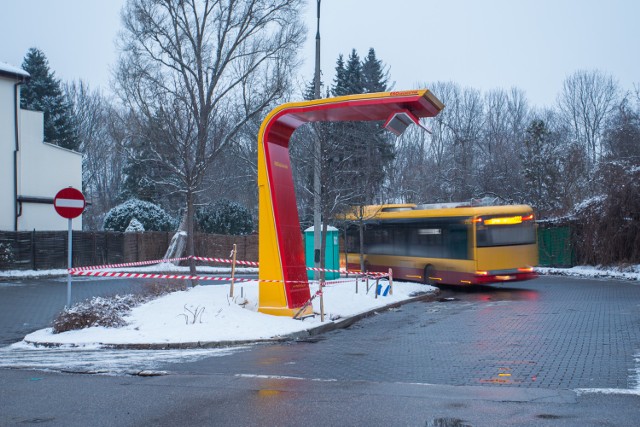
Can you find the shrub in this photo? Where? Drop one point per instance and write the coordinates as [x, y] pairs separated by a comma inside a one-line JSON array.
[[110, 311], [224, 217], [134, 226], [98, 311], [6, 255], [609, 224], [150, 216]]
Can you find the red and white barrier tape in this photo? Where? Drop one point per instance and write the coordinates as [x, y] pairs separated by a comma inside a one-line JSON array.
[[152, 276], [128, 264], [224, 260], [93, 271], [170, 276], [207, 259], [343, 271]]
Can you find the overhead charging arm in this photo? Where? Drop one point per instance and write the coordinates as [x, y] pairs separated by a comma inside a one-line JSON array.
[[284, 286], [398, 122]]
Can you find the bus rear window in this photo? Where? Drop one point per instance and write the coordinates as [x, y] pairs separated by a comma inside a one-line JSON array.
[[499, 233]]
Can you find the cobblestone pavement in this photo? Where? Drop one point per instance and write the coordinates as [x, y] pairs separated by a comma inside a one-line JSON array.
[[553, 332]]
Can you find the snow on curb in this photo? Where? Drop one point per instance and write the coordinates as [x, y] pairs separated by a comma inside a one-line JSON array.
[[628, 273], [170, 322]]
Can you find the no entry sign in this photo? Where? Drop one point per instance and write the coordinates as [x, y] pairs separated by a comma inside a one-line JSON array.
[[69, 203]]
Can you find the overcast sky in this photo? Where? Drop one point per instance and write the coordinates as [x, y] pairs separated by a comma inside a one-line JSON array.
[[530, 44]]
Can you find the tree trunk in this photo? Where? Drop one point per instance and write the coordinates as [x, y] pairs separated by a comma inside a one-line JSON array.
[[190, 235], [361, 232]]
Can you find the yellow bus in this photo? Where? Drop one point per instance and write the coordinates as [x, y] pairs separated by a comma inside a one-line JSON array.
[[450, 243]]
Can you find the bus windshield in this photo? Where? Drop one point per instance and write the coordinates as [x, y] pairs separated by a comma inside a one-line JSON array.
[[498, 231]]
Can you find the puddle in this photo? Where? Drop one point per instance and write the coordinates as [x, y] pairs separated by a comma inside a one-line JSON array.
[[447, 422]]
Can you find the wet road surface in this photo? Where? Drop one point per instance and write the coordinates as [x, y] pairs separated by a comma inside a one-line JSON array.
[[548, 333], [533, 353]]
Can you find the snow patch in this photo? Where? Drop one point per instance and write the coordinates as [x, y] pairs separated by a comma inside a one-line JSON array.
[[169, 319]]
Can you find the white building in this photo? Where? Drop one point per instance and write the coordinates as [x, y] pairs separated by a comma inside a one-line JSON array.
[[31, 171]]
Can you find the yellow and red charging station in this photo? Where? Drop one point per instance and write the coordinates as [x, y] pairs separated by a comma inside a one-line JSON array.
[[284, 287]]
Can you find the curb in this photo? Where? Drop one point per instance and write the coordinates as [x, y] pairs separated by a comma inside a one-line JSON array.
[[296, 336]]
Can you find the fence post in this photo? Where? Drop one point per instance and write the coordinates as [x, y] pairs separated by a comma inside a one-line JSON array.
[[33, 249], [321, 301], [390, 281], [233, 269]]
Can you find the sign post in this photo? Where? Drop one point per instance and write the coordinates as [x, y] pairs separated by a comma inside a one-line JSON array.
[[69, 203]]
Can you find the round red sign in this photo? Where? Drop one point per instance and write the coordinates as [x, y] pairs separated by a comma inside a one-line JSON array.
[[69, 203]]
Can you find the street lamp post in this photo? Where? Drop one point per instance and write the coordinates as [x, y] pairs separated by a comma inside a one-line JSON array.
[[316, 164]]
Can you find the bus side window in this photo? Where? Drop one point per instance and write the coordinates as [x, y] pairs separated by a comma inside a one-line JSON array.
[[458, 241], [401, 241], [378, 241], [426, 240], [353, 239]]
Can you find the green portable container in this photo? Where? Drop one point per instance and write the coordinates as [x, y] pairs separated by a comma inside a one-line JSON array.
[[331, 253]]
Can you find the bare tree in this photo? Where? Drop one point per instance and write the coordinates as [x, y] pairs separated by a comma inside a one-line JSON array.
[[499, 168], [100, 134], [196, 72], [586, 101]]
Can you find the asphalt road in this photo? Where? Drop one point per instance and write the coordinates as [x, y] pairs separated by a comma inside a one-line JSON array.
[[542, 352]]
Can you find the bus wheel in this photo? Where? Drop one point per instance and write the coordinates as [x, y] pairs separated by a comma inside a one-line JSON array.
[[429, 271]]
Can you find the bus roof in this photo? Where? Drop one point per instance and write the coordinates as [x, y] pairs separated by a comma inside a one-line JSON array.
[[394, 211]]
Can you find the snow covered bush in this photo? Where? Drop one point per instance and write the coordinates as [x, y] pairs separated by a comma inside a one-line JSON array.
[[225, 217], [152, 217], [6, 255], [110, 311], [98, 311], [134, 226]]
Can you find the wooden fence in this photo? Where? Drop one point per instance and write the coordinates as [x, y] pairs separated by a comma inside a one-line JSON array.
[[43, 250]]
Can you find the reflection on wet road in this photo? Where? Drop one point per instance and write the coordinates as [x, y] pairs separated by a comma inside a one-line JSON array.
[[546, 333]]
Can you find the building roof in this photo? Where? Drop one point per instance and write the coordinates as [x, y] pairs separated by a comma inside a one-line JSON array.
[[13, 72]]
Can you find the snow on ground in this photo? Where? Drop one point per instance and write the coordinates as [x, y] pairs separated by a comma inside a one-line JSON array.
[[631, 272], [174, 318]]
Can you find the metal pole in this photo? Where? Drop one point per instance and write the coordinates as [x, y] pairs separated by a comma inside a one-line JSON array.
[[69, 259], [321, 301], [390, 281], [317, 189], [233, 270]]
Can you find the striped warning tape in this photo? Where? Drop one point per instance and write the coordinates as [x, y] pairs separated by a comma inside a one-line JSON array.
[[95, 273], [224, 260], [128, 264], [343, 271], [220, 260]]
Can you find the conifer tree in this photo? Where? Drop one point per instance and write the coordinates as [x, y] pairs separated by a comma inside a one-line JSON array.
[[539, 168], [358, 153], [340, 80], [353, 74], [374, 77], [43, 93]]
